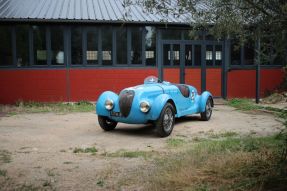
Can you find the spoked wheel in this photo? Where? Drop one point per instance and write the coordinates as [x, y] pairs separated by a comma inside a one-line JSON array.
[[106, 124], [165, 123], [205, 116]]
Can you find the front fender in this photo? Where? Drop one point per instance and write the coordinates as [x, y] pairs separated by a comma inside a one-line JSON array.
[[158, 103], [203, 99], [100, 106]]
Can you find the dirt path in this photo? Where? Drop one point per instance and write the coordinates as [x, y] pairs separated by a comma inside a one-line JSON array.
[[41, 146]]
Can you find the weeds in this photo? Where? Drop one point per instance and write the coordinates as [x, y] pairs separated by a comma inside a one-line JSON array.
[[37, 107], [3, 172], [175, 142], [130, 154], [91, 150], [5, 156], [227, 164]]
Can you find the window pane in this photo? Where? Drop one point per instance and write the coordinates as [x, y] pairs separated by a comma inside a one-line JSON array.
[[40, 51], [208, 55], [166, 55], [5, 46], [235, 53], [218, 55], [150, 45], [197, 55], [121, 41], [92, 47], [107, 40], [57, 45], [192, 35], [171, 34], [136, 45], [249, 53], [176, 59], [188, 55], [76, 45], [22, 45]]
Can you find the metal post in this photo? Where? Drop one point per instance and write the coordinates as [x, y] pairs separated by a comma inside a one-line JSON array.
[[258, 47]]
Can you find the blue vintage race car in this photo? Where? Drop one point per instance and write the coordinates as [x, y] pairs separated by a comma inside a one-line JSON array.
[[152, 102]]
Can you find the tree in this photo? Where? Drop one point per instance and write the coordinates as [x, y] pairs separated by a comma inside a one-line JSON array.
[[245, 20]]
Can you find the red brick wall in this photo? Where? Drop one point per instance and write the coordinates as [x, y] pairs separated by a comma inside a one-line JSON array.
[[36, 85], [88, 84], [171, 75], [53, 85], [242, 83], [213, 81], [193, 77]]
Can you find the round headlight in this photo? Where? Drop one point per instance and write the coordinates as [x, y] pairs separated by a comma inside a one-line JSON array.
[[144, 106], [109, 104]]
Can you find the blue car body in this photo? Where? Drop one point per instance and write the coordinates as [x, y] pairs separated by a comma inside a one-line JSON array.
[[157, 94]]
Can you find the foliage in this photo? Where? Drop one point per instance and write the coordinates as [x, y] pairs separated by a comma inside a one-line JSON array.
[[92, 150], [38, 107]]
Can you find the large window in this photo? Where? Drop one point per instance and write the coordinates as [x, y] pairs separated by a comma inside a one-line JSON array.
[[121, 42], [249, 53], [197, 55], [136, 45], [76, 46], [40, 46], [235, 53], [22, 45], [92, 46], [150, 46], [107, 42], [171, 34], [5, 46], [57, 46]]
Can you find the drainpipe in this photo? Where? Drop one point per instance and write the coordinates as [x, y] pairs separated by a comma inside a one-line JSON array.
[[258, 47]]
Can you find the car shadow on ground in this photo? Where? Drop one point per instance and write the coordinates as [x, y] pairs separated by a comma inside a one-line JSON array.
[[137, 130], [149, 129], [186, 119]]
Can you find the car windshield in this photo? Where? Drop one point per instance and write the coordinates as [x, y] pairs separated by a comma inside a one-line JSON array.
[[151, 79]]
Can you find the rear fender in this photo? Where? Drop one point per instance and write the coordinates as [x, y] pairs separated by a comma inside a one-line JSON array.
[[203, 99], [100, 106]]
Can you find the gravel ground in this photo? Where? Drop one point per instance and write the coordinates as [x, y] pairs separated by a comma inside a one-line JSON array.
[[40, 146]]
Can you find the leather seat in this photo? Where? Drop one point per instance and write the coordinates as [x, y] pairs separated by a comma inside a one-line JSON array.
[[183, 89]]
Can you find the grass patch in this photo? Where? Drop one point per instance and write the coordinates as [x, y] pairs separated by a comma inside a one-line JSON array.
[[3, 172], [243, 104], [37, 107], [226, 164], [131, 154], [222, 135], [91, 150], [5, 156], [175, 142]]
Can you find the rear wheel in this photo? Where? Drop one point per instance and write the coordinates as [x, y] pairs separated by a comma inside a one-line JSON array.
[[165, 123], [205, 116], [106, 124]]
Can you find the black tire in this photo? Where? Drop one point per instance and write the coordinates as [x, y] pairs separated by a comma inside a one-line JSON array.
[[165, 123], [205, 116], [107, 124]]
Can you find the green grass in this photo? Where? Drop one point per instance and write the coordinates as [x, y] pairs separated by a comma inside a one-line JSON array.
[[131, 154], [5, 156], [243, 104], [3, 172], [37, 107], [222, 135], [91, 150], [175, 142], [226, 164]]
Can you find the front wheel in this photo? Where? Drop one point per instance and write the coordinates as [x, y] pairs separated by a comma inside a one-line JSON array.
[[205, 116], [165, 123], [106, 124]]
